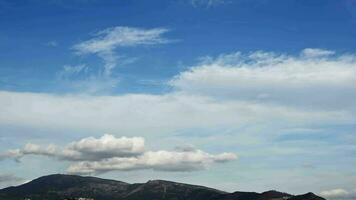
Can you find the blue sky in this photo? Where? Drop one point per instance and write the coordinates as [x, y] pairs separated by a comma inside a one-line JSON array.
[[260, 92]]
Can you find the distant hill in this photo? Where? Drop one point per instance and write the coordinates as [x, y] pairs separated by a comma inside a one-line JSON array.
[[60, 187]]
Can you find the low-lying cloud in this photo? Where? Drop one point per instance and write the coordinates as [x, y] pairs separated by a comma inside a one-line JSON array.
[[108, 153], [90, 148], [155, 160], [339, 194]]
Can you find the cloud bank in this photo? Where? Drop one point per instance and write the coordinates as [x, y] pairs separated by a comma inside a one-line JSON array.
[[108, 153], [154, 114], [231, 90]]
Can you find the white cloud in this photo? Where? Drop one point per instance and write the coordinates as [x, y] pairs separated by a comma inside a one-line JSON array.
[[107, 41], [108, 153], [69, 71], [30, 148], [151, 114], [108, 146], [207, 3], [105, 44], [81, 79], [155, 160], [339, 194], [110, 39], [320, 81], [89, 148], [310, 53]]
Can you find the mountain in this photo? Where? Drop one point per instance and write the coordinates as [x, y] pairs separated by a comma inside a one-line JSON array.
[[60, 187]]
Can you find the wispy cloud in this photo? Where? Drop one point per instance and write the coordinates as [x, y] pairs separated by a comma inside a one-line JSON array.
[[207, 3], [52, 43], [105, 43], [310, 52], [70, 71]]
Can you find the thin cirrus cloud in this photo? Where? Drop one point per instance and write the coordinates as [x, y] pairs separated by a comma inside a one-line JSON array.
[[310, 52], [107, 41], [108, 153], [207, 3], [71, 70], [106, 44]]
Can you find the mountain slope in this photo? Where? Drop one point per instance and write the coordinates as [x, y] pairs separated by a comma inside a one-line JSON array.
[[64, 186], [59, 187]]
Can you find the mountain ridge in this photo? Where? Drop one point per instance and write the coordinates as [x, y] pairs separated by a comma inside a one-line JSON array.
[[61, 186]]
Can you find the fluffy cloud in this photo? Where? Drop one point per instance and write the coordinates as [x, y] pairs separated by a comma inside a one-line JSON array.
[[315, 79], [156, 160], [90, 148], [107, 146], [339, 194], [108, 153]]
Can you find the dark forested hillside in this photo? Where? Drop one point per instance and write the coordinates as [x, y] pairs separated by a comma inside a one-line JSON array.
[[60, 187]]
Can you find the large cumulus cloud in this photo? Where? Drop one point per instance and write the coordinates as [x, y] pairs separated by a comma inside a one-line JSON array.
[[108, 153]]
